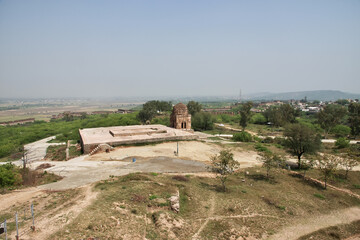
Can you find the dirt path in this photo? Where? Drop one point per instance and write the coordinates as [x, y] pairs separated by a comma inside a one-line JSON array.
[[18, 197], [308, 225], [211, 212], [60, 216], [329, 185]]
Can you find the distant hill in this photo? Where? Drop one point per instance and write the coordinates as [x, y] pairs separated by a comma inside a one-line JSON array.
[[321, 95]]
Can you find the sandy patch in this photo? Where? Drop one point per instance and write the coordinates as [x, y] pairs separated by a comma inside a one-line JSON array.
[[188, 150]]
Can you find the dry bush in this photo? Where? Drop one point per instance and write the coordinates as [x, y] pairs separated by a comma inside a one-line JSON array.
[[44, 166], [180, 178], [138, 198]]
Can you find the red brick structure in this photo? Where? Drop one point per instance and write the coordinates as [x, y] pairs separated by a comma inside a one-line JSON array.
[[180, 117]]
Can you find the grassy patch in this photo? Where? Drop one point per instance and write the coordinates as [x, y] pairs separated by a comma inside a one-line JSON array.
[[320, 196], [56, 153], [131, 198], [74, 151]]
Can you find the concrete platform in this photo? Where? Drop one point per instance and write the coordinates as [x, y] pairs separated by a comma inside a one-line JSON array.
[[122, 135]]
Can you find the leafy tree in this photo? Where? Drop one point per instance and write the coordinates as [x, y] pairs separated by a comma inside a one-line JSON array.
[[245, 114], [145, 115], [258, 118], [270, 161], [328, 164], [83, 115], [281, 115], [157, 106], [152, 108], [330, 116], [224, 165], [342, 143], [202, 121], [354, 118], [194, 107], [342, 102], [68, 116], [341, 130], [300, 140]]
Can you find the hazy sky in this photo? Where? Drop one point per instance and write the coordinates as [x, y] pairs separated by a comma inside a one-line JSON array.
[[164, 48]]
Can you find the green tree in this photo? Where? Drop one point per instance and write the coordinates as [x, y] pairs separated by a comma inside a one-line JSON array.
[[194, 107], [224, 165], [300, 139], [342, 102], [145, 115], [245, 113], [354, 118], [83, 115], [281, 115], [330, 116], [270, 161], [341, 131], [202, 121], [258, 118], [342, 143]]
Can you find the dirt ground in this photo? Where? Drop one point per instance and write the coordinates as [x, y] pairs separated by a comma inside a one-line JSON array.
[[308, 225], [188, 150]]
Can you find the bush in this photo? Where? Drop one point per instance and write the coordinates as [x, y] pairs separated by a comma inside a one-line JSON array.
[[267, 140], [242, 137], [259, 147], [180, 178], [9, 175], [342, 143], [258, 118], [341, 131]]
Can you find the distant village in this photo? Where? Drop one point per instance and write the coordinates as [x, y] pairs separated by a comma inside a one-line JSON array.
[[308, 107]]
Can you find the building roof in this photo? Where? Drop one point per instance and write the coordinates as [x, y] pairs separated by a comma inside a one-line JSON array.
[[132, 134], [180, 108]]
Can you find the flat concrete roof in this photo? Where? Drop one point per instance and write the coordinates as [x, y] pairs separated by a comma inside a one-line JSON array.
[[119, 135]]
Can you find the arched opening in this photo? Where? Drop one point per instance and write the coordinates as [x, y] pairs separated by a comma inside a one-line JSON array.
[[184, 124]]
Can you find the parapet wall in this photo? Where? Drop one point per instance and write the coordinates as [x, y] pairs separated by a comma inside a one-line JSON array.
[[115, 136]]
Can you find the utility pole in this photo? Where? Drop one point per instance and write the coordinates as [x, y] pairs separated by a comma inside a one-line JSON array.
[[240, 96], [24, 159]]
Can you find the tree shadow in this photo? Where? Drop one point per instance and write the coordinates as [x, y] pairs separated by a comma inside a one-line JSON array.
[[262, 177], [307, 181]]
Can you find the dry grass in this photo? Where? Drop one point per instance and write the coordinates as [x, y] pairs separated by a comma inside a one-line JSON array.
[[136, 206], [335, 232]]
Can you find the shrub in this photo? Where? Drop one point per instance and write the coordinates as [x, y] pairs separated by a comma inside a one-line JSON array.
[[341, 130], [261, 148], [242, 137], [180, 178], [152, 197], [268, 140], [9, 175], [342, 143]]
